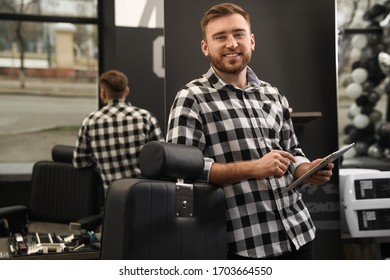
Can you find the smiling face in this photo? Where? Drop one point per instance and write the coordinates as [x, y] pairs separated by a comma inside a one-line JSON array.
[[229, 44]]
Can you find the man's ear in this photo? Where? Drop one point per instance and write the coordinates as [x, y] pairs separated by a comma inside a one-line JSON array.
[[204, 47], [103, 95], [127, 92], [253, 43]]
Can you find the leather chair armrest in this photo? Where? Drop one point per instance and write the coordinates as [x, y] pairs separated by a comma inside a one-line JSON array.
[[9, 210], [13, 219]]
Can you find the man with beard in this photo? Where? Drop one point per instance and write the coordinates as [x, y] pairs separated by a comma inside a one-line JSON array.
[[243, 127]]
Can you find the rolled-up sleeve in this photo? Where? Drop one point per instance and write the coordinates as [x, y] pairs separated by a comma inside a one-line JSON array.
[[298, 161]]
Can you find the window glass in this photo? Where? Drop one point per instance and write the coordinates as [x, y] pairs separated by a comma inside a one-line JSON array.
[[48, 74], [69, 8]]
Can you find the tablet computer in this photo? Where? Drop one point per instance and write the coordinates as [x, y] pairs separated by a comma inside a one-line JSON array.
[[330, 158]]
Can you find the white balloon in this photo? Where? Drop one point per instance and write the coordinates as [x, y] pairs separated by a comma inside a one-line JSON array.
[[359, 75], [354, 90], [359, 41], [375, 151], [361, 121], [355, 54], [354, 109]]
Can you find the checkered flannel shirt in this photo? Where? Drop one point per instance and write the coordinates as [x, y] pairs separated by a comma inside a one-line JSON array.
[[112, 137], [229, 124]]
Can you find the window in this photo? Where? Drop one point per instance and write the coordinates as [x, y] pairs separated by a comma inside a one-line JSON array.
[[48, 74], [68, 8]]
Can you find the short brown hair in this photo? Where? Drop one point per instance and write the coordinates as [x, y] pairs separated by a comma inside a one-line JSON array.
[[220, 10], [115, 83]]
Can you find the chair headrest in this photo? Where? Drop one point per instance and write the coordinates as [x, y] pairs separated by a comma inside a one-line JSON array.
[[162, 160], [62, 153]]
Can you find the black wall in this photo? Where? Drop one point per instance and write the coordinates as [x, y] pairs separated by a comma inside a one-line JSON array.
[[130, 50], [295, 51]]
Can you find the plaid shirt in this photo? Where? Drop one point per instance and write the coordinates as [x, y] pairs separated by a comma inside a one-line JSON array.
[[112, 137], [229, 124]]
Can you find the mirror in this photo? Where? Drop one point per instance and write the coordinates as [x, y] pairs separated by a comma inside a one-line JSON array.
[[363, 71]]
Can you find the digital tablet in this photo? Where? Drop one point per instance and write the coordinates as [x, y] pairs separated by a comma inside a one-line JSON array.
[[330, 158]]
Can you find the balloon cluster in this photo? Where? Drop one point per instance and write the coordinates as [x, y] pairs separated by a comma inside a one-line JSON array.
[[367, 130]]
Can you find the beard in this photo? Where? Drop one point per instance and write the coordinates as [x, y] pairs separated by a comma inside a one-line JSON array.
[[234, 66]]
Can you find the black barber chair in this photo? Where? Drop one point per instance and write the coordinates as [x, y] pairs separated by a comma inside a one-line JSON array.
[[167, 215], [63, 199]]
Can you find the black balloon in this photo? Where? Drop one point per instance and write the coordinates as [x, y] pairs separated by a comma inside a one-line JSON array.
[[361, 148], [355, 135], [368, 109], [383, 134], [362, 100], [348, 128], [373, 38], [373, 97]]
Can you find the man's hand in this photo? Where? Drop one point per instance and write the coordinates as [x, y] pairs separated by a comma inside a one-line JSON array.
[[275, 163], [320, 177]]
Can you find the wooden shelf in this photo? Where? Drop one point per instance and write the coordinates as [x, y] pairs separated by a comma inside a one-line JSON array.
[[303, 117]]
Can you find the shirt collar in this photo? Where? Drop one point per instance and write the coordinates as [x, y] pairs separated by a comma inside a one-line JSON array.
[[218, 83], [116, 101]]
